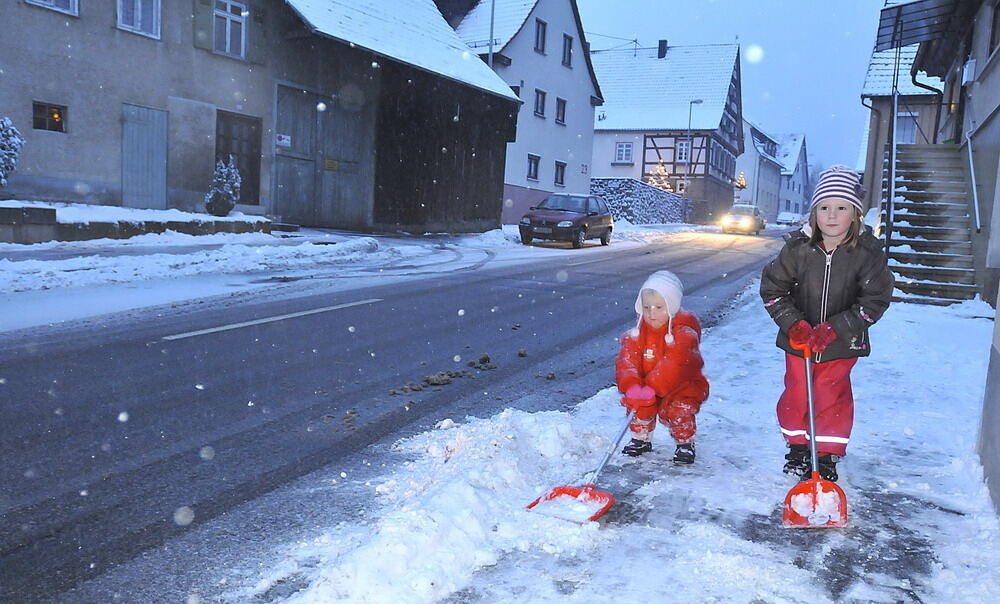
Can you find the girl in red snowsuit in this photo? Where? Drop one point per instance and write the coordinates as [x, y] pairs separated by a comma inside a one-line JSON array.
[[659, 368]]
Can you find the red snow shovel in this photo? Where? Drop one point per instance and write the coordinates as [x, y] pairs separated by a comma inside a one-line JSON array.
[[814, 503], [580, 504]]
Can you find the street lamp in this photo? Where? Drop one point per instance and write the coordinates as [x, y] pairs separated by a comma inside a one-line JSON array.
[[690, 137]]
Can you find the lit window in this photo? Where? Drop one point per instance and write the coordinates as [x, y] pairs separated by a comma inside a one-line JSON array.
[[230, 20], [560, 178], [70, 7], [48, 117], [140, 16], [623, 153]]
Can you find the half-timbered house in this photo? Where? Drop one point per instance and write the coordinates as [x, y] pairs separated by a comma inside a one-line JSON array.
[[676, 109]]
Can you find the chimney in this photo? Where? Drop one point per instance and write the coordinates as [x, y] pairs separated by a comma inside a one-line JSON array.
[[661, 50]]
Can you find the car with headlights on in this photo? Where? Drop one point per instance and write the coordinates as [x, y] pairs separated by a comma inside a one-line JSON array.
[[568, 217], [743, 219]]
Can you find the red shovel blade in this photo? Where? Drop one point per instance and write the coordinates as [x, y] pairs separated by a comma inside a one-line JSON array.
[[575, 504], [815, 503]]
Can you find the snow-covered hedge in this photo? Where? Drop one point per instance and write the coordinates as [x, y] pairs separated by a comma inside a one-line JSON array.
[[10, 146], [224, 193], [639, 203]]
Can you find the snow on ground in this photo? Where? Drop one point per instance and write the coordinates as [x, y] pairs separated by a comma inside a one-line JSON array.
[[57, 280], [451, 523], [87, 213]]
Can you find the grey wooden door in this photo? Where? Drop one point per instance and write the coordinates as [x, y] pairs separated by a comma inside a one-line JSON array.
[[297, 169], [144, 157]]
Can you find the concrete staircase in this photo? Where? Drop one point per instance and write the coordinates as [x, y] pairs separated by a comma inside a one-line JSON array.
[[930, 249]]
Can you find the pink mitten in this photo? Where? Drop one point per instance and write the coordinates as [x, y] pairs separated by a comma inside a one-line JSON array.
[[639, 396]]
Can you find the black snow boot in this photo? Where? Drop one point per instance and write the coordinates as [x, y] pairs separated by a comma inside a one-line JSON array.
[[797, 461], [637, 447], [828, 467], [684, 454]]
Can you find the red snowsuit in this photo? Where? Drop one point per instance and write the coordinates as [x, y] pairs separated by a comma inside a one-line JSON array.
[[673, 371]]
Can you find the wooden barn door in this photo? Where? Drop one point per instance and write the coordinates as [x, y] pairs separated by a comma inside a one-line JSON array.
[[144, 157], [297, 160]]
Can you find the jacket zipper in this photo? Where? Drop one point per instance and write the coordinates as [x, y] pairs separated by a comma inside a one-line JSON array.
[[826, 294]]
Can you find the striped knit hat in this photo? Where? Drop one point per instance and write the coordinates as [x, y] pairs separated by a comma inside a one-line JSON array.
[[838, 182]]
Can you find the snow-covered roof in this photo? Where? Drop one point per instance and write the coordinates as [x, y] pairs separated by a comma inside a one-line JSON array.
[[643, 92], [759, 137], [878, 82], [509, 16], [789, 147], [409, 31]]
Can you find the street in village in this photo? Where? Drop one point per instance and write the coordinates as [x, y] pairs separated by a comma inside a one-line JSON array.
[[282, 387], [304, 301]]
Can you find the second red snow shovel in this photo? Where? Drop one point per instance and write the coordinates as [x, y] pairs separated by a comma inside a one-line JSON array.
[[814, 503], [580, 504]]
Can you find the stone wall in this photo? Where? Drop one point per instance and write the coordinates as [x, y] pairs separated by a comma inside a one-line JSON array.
[[639, 203]]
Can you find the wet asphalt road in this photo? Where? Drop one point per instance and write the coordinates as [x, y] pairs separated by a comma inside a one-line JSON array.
[[118, 434]]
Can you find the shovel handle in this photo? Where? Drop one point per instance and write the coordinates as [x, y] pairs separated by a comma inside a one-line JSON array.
[[592, 479], [813, 455]]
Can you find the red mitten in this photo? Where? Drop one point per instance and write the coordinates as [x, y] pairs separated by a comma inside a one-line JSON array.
[[638, 396], [798, 335], [822, 336]]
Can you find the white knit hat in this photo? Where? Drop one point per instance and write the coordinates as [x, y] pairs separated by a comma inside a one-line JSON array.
[[670, 287], [838, 182]]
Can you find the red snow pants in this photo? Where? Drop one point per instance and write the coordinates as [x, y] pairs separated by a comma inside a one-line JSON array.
[[678, 416], [833, 403]]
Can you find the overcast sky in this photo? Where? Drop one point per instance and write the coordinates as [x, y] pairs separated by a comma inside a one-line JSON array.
[[803, 61]]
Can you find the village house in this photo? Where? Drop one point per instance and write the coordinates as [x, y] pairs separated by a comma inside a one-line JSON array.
[[539, 48], [796, 184], [365, 115], [946, 194], [916, 113], [758, 181], [672, 108]]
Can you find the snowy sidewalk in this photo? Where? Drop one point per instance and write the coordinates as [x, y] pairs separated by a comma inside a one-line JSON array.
[[450, 523]]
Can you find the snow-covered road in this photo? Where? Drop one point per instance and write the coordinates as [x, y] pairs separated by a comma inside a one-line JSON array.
[[50, 282]]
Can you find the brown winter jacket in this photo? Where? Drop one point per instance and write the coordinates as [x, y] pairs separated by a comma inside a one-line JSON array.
[[850, 288]]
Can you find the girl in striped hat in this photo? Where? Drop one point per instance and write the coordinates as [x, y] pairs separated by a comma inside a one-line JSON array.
[[825, 288]]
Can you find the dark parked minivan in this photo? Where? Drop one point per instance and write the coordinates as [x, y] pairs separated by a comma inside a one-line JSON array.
[[568, 217]]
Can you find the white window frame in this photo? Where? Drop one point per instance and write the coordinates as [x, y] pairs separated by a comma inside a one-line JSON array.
[[74, 6], [243, 19], [683, 153], [140, 7], [623, 152], [909, 115]]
